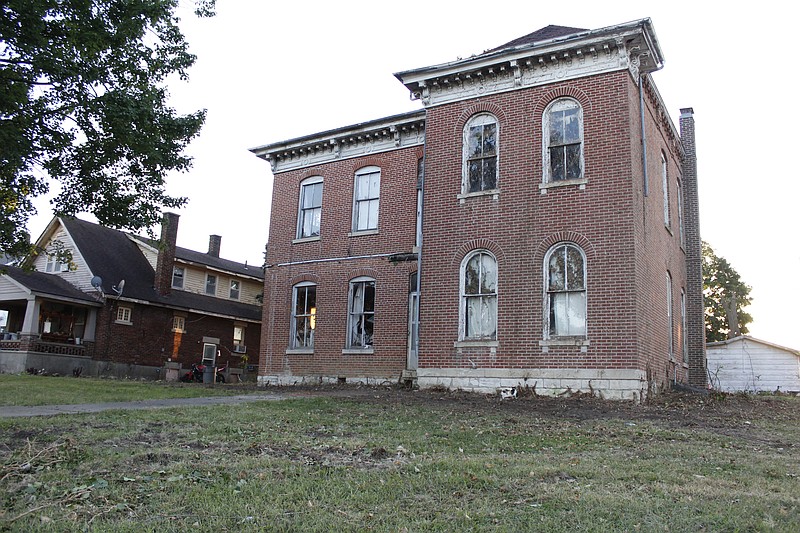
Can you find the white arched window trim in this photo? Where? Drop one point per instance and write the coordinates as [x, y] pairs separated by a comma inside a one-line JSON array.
[[480, 156], [309, 210], [565, 306], [366, 199], [570, 139], [478, 304]]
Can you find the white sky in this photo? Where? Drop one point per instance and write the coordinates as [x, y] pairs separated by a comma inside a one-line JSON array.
[[270, 71]]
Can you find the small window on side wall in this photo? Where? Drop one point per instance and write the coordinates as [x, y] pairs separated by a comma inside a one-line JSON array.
[[123, 315], [478, 297], [178, 324], [563, 141], [480, 154], [309, 215], [361, 315], [366, 201], [565, 292]]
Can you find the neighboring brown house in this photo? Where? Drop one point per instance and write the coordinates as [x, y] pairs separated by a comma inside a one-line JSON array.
[[534, 225], [127, 305]]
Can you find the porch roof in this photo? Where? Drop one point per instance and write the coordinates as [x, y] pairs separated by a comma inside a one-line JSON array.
[[47, 285]]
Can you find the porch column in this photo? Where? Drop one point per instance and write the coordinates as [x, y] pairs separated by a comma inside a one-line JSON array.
[[30, 326]]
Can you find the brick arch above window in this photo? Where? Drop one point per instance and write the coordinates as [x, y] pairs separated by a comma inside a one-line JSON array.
[[306, 276], [364, 162], [561, 92], [477, 109], [564, 237], [478, 244], [363, 272]]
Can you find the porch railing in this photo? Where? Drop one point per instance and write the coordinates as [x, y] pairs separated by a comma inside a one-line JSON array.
[[44, 347]]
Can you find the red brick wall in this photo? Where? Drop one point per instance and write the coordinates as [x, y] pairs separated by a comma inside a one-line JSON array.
[[149, 339], [519, 227], [396, 234]]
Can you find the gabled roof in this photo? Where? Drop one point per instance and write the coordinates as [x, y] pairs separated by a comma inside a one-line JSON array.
[[47, 284], [114, 256], [544, 34], [743, 338]]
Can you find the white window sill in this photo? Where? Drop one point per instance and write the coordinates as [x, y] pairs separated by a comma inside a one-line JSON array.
[[363, 232], [581, 343], [358, 351], [581, 184], [494, 193], [306, 239], [123, 322], [299, 351], [477, 343]]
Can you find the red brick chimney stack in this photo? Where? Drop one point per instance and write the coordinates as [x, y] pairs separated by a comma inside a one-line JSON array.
[[166, 253], [214, 243]]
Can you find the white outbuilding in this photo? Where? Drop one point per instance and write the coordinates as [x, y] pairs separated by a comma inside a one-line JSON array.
[[752, 365]]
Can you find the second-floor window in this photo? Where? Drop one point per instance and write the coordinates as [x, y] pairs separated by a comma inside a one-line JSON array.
[[211, 284], [366, 199], [310, 213], [177, 277], [563, 139], [665, 188], [235, 288], [480, 154]]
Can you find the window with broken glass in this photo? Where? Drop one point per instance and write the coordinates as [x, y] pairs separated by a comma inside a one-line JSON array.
[[304, 315], [367, 199], [361, 318], [480, 154], [479, 296], [566, 292], [310, 212], [563, 125]]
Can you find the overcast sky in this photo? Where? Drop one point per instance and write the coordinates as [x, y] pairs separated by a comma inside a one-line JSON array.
[[269, 71]]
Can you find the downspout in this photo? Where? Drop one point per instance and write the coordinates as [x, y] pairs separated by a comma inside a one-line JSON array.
[[421, 193], [644, 138]]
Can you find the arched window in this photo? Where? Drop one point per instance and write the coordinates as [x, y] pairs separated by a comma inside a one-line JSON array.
[[361, 315], [304, 315], [480, 154], [563, 141], [309, 214], [565, 291], [366, 199], [479, 296]]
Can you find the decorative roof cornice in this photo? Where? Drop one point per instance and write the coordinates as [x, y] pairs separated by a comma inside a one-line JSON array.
[[381, 135], [632, 46]]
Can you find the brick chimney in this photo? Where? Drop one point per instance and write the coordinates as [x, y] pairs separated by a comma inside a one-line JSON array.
[[166, 253], [695, 310], [214, 242]]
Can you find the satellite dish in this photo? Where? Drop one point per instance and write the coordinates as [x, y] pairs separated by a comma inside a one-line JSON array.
[[97, 281], [119, 287]]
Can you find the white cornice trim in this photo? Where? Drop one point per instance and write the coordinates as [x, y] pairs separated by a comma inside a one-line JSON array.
[[382, 135]]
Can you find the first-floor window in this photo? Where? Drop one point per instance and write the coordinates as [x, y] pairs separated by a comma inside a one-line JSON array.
[[304, 315], [238, 335], [565, 291], [178, 324], [124, 314], [361, 318], [479, 296], [670, 326], [684, 336]]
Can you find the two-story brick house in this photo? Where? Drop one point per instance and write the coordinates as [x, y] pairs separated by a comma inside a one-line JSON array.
[[127, 305], [539, 216]]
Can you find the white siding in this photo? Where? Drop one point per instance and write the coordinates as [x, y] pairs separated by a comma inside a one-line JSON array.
[[748, 365], [195, 281], [81, 276], [10, 291]]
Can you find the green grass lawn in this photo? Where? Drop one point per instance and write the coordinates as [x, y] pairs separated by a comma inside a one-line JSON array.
[[386, 460], [25, 389]]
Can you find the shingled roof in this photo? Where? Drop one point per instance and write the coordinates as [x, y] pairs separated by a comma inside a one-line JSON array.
[[113, 256], [543, 34], [41, 283]]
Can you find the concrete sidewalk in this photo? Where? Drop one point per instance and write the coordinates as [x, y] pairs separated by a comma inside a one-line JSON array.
[[49, 410]]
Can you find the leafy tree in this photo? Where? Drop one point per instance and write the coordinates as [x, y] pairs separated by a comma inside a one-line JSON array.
[[726, 296], [83, 103]]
